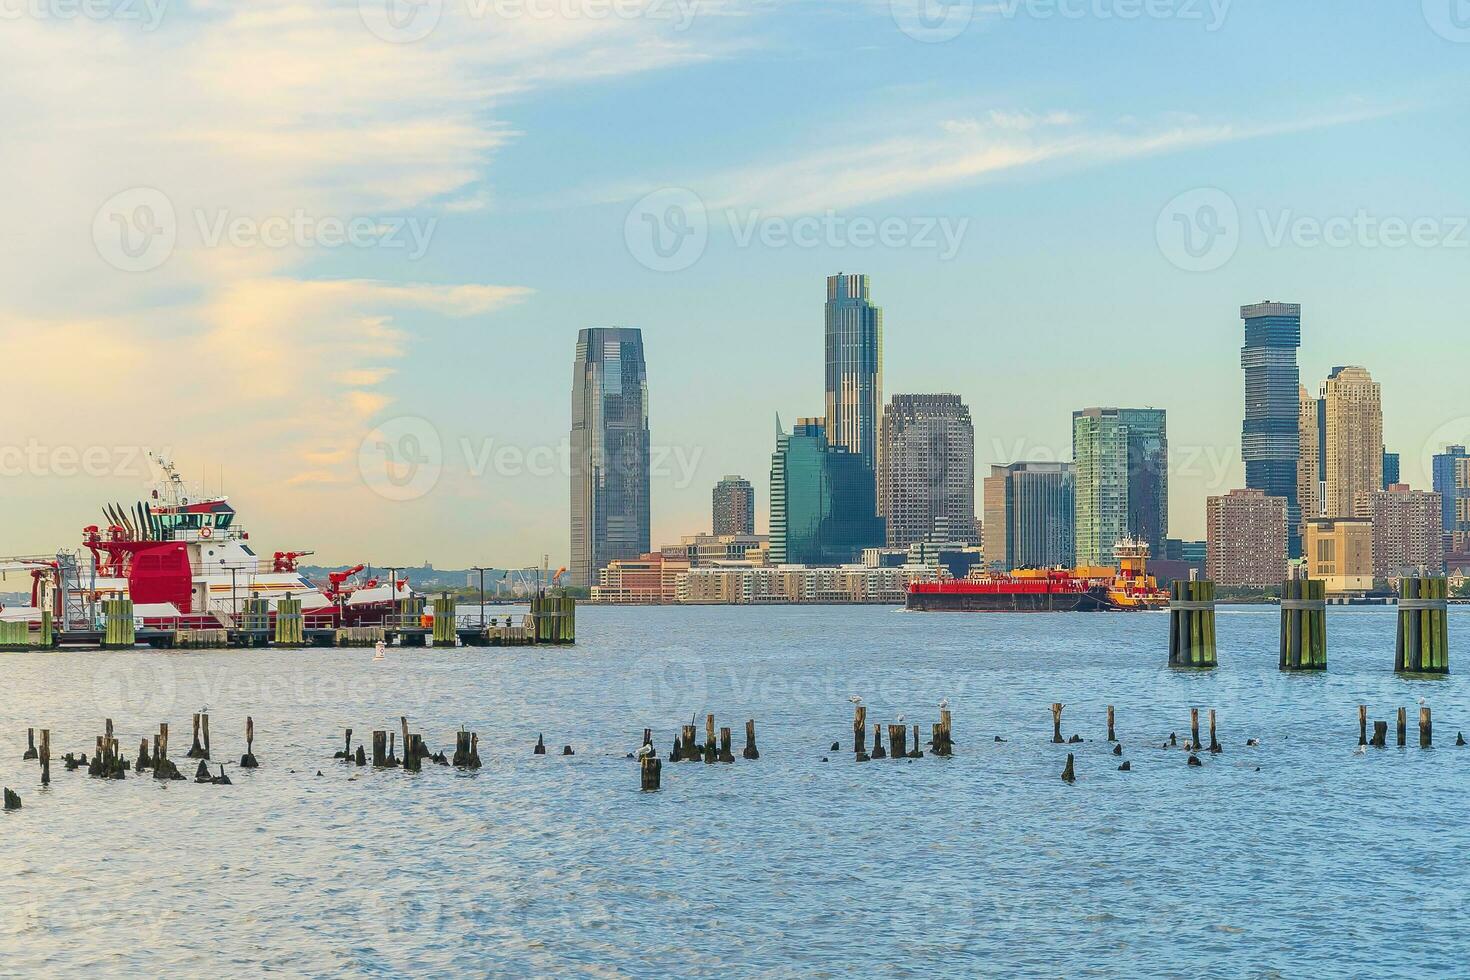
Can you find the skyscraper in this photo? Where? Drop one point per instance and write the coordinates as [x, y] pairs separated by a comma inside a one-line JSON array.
[[734, 506], [1030, 516], [1308, 460], [1246, 543], [854, 345], [1270, 440], [823, 508], [1354, 432], [1451, 476], [926, 469], [1122, 462], [609, 450], [1390, 469]]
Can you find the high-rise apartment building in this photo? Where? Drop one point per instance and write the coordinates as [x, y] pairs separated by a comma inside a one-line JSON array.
[[1030, 516], [609, 451], [823, 507], [1247, 535], [1451, 480], [1354, 431], [854, 346], [926, 472], [1309, 459], [1122, 472], [1408, 530], [1270, 435], [733, 506]]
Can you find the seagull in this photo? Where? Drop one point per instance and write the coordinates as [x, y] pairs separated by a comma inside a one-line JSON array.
[[900, 719], [1421, 702], [205, 710], [1361, 750], [855, 699], [943, 704], [644, 750]]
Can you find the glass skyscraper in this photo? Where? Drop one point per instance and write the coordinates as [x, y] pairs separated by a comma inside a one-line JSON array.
[[1030, 516], [1270, 439], [854, 346], [609, 450], [1451, 475], [1122, 473], [823, 506]]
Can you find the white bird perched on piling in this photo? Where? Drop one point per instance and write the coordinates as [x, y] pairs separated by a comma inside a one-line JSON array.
[[899, 719], [644, 750], [855, 699], [944, 704], [1422, 702]]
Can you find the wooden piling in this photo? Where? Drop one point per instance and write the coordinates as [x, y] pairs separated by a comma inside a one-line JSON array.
[[897, 741], [346, 753], [651, 770], [1192, 624], [1111, 736], [1422, 646], [12, 799], [540, 748], [688, 748], [750, 749], [290, 623], [413, 754], [1214, 744], [726, 753], [163, 768], [1380, 735], [1426, 728], [45, 757], [1069, 775], [1056, 724], [1303, 625], [1362, 724], [859, 729], [946, 731], [30, 752], [1403, 727], [1194, 729], [916, 752], [248, 760], [878, 752]]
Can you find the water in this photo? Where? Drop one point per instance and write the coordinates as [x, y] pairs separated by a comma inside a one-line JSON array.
[[1298, 857]]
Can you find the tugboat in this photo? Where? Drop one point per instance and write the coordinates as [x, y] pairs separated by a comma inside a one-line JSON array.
[[184, 562], [1128, 588]]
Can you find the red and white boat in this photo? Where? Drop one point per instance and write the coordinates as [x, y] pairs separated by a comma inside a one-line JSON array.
[[183, 561]]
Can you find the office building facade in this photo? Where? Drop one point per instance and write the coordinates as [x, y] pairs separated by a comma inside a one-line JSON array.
[[1122, 477], [1408, 530], [926, 472], [1030, 516], [824, 509], [733, 506], [1246, 544], [854, 367], [1354, 433], [1270, 434]]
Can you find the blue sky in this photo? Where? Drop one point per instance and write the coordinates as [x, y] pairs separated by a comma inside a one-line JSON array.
[[1061, 151]]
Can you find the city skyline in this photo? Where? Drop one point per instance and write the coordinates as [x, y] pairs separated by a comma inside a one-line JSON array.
[[490, 235]]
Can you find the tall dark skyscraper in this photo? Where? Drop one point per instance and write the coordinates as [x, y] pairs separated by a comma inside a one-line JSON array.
[[610, 450], [854, 367], [926, 472], [734, 506], [1270, 440], [1390, 469], [823, 506]]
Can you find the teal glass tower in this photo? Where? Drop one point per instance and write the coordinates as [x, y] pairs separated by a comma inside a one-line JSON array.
[[1122, 480], [854, 377], [609, 450], [823, 501]]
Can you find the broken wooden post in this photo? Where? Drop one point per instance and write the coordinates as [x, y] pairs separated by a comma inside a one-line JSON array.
[[709, 732], [1111, 736], [750, 750], [222, 779], [726, 753], [946, 728], [1426, 728], [248, 761], [45, 757], [201, 775], [651, 770], [1056, 724], [540, 748], [12, 799], [162, 767], [859, 730], [346, 752], [1403, 727], [1362, 724], [567, 750], [204, 723], [1068, 773], [1422, 646], [196, 751], [916, 752], [403, 726], [1214, 745], [1194, 729], [1303, 625], [30, 752], [360, 757], [1192, 624], [674, 754], [1380, 735], [688, 750], [898, 741], [412, 755], [878, 752], [380, 748]]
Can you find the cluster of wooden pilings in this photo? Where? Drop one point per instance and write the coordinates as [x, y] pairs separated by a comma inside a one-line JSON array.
[[941, 741], [1379, 738], [686, 748], [108, 761], [1421, 647], [415, 750], [1193, 745]]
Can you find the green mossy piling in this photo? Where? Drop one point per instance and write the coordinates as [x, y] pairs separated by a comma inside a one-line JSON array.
[[1423, 645], [1303, 625], [1192, 624]]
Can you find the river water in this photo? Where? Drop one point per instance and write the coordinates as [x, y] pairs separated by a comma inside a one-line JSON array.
[[1298, 857]]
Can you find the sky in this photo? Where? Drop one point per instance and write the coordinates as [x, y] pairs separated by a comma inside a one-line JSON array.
[[332, 257]]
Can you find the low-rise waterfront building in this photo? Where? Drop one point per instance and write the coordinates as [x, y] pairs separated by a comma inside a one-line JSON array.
[[1339, 550]]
